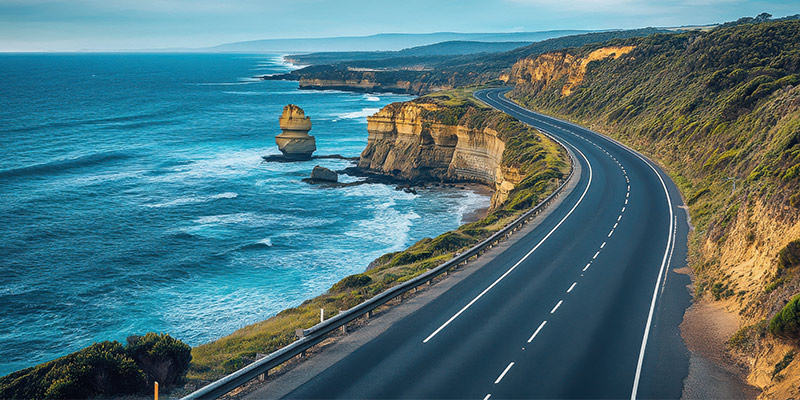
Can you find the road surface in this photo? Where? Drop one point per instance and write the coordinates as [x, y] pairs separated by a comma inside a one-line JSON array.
[[587, 305]]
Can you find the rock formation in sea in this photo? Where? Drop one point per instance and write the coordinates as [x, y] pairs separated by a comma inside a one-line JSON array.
[[324, 174], [295, 142]]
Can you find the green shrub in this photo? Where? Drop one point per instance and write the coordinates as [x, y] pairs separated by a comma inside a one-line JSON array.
[[409, 257], [774, 285], [103, 369], [789, 256], [786, 323], [352, 282], [720, 291], [745, 339], [782, 364], [163, 358], [449, 242]]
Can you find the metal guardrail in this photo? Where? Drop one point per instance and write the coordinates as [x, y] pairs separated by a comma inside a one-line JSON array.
[[317, 333]]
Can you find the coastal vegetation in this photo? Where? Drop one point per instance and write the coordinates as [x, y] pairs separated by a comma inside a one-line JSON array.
[[103, 369], [425, 73], [543, 164], [786, 323], [720, 111]]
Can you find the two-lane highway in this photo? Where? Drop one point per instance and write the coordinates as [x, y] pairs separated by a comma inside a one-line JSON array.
[[584, 306]]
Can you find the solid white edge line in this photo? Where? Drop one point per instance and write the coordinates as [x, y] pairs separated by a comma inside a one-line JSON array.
[[572, 287], [505, 371], [537, 331], [664, 260], [664, 263], [556, 307], [589, 183]]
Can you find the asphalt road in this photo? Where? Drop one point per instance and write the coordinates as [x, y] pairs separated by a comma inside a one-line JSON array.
[[586, 305]]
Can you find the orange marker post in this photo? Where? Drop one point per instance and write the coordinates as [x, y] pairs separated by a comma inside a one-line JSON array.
[[156, 391]]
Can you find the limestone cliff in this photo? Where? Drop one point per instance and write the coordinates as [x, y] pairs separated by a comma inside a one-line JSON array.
[[543, 70], [422, 141], [295, 142], [365, 85]]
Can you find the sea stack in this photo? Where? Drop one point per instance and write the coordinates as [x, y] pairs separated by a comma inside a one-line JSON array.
[[295, 142]]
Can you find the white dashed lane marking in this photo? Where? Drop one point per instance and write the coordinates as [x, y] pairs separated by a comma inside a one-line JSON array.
[[537, 331], [556, 307], [505, 371]]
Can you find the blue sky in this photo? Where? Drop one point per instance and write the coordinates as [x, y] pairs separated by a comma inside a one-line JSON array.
[[68, 25]]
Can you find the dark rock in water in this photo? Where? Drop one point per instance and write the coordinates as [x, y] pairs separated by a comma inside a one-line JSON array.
[[283, 159], [324, 174]]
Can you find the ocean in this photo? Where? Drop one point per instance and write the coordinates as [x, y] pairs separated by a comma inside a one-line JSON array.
[[134, 199]]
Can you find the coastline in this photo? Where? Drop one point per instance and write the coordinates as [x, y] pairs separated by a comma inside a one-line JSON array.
[[479, 213], [337, 346], [242, 347]]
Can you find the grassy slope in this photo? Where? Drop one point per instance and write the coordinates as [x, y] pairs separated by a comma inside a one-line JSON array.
[[541, 159], [710, 106]]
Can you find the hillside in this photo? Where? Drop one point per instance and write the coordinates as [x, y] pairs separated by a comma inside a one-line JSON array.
[[450, 48], [720, 110], [381, 41], [424, 74]]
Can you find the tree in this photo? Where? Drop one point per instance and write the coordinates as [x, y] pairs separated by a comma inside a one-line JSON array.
[[786, 323], [763, 17]]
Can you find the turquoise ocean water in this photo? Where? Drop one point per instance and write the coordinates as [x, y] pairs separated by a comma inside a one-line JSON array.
[[134, 199]]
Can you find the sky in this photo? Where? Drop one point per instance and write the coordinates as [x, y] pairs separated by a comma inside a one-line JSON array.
[[107, 25]]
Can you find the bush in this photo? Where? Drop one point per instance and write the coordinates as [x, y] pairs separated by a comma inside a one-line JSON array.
[[100, 369], [449, 242], [163, 358], [782, 364], [103, 369], [352, 282], [789, 256], [409, 257], [786, 323]]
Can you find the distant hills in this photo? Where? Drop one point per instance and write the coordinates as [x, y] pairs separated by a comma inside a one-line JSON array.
[[429, 71], [382, 41], [452, 48]]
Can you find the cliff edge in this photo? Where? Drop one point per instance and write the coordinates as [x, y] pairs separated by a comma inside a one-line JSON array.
[[428, 140]]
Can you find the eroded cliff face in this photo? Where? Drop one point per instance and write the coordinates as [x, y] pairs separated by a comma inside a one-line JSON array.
[[749, 269], [547, 68], [403, 142]]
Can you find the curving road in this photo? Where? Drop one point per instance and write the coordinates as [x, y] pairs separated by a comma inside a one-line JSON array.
[[586, 305]]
